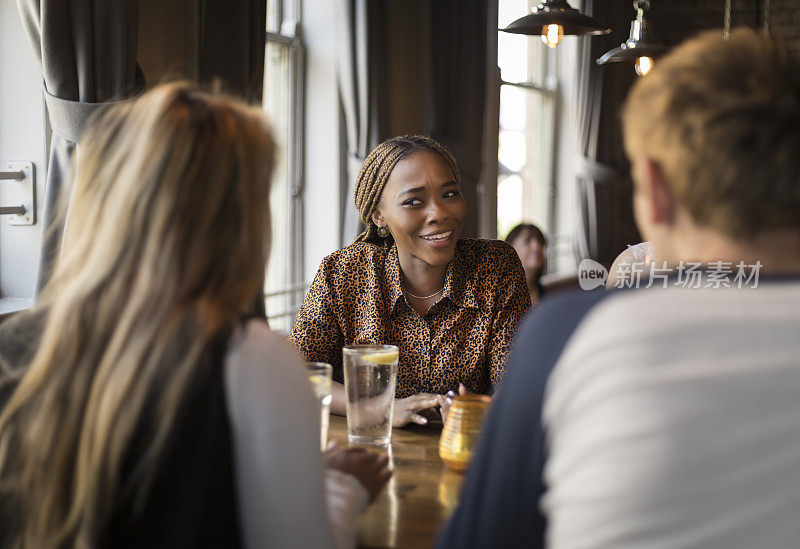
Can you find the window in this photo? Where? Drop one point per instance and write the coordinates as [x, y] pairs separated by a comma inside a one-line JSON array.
[[283, 103], [24, 133], [528, 99]]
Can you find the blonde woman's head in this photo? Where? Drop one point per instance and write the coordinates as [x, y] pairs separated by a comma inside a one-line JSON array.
[[721, 118], [165, 247], [170, 198]]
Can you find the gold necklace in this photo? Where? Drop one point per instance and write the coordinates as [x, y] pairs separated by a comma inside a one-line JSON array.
[[420, 296]]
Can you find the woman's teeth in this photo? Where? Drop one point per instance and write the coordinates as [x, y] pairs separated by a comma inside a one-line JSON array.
[[437, 237]]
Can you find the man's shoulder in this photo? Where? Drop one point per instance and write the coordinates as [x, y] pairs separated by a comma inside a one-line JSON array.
[[563, 311], [626, 332], [548, 327], [493, 499]]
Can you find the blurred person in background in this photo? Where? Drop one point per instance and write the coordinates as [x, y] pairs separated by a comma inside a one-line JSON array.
[[531, 245]]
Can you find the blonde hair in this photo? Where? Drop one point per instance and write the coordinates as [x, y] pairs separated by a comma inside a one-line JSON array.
[[165, 247], [377, 168], [722, 119]]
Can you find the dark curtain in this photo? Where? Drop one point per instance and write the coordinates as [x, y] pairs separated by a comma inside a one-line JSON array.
[[229, 45], [607, 188], [413, 66], [87, 49], [88, 53], [358, 56], [593, 177], [458, 44], [231, 40]]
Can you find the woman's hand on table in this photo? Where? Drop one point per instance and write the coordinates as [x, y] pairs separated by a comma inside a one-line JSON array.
[[406, 410], [370, 469], [445, 401]]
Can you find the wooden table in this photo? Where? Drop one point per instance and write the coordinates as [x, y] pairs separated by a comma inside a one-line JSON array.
[[420, 496]]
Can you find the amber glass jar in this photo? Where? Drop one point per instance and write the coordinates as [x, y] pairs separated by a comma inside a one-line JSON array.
[[461, 430]]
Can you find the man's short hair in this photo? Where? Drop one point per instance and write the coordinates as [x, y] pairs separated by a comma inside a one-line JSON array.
[[722, 119]]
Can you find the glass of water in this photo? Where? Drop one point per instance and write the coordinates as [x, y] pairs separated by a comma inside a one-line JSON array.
[[319, 374], [370, 376]]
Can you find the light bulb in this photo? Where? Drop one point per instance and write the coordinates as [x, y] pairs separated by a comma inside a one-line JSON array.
[[643, 65], [552, 35]]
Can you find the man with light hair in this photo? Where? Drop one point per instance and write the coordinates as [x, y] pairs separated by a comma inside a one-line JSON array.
[[668, 417]]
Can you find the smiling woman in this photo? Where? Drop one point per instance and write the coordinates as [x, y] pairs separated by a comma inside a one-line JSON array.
[[451, 305]]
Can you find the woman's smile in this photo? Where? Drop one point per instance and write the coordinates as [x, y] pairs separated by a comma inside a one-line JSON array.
[[439, 240]]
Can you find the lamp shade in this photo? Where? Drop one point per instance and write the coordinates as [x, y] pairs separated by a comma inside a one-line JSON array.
[[629, 52], [639, 43], [556, 12]]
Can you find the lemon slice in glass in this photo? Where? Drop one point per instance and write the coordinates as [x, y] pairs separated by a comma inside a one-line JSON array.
[[321, 385], [383, 357], [318, 379]]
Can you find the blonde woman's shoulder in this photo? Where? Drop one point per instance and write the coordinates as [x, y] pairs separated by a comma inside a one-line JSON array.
[[274, 421]]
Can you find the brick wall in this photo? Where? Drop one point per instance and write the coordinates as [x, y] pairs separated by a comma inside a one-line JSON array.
[[676, 20], [672, 22], [785, 22]]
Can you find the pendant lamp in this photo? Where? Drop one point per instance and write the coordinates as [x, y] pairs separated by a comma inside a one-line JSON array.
[[553, 19], [640, 48]]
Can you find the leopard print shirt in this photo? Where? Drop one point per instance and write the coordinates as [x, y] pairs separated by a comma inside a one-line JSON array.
[[464, 338]]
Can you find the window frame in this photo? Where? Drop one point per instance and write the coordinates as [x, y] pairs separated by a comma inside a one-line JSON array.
[[551, 94], [293, 289], [549, 88]]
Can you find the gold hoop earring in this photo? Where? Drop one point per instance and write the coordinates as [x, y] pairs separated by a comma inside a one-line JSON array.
[[383, 231]]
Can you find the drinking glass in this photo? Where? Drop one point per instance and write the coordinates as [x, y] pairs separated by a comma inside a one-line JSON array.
[[370, 376], [319, 374]]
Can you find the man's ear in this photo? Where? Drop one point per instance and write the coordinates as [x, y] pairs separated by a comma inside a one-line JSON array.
[[377, 218], [660, 202]]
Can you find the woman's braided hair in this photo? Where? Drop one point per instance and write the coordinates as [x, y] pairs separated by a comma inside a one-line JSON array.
[[375, 173]]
